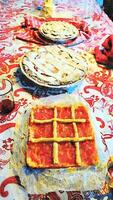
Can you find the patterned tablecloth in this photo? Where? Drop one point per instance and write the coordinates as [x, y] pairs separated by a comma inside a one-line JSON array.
[[97, 89]]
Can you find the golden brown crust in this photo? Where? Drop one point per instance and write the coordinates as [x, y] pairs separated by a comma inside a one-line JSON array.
[[54, 66], [58, 30], [56, 140]]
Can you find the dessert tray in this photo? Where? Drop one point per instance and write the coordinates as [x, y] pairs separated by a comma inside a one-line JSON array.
[[56, 66], [57, 147], [58, 31], [60, 136]]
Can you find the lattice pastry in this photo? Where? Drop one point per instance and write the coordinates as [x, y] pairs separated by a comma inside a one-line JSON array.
[[60, 136], [54, 65], [58, 31]]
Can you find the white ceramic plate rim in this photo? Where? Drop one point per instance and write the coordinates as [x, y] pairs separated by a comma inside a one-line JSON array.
[[73, 83]]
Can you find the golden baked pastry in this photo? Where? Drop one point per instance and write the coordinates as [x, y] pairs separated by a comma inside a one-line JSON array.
[[54, 65], [58, 31], [61, 136]]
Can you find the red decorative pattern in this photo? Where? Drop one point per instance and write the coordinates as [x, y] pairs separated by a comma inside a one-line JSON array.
[[4, 127], [10, 180], [97, 91], [106, 87], [74, 195], [17, 92], [49, 196], [3, 162], [111, 110], [102, 123], [7, 144]]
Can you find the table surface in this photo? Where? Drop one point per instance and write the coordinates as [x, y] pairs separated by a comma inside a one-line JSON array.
[[97, 89]]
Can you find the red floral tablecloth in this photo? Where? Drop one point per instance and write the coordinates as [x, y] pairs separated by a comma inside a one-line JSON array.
[[97, 90]]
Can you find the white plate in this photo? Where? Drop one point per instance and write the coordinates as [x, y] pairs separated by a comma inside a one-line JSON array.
[[56, 66], [58, 31]]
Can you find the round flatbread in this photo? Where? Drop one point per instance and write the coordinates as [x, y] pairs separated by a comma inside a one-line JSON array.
[[58, 31], [54, 65]]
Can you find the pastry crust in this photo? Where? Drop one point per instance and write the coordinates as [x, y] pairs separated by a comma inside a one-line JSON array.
[[60, 137], [58, 31], [54, 65]]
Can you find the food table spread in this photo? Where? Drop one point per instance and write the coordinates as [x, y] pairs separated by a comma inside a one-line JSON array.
[[20, 44]]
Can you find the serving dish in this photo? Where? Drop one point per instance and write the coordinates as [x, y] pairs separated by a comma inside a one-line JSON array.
[[58, 31], [56, 66], [60, 136], [90, 170]]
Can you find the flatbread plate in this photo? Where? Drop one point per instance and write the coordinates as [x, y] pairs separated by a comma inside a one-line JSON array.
[[58, 31], [55, 65]]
